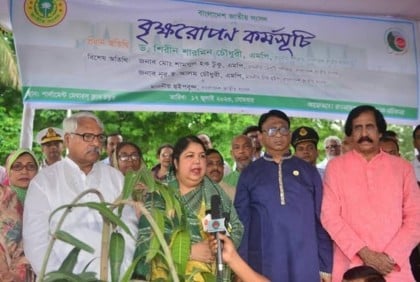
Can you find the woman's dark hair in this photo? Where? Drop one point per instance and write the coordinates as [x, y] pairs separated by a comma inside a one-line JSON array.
[[123, 144], [369, 274], [214, 151], [159, 150], [415, 130], [182, 144], [249, 129], [379, 118]]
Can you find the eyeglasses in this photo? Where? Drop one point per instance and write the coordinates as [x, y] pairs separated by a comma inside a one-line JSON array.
[[132, 157], [89, 137], [273, 131], [20, 166]]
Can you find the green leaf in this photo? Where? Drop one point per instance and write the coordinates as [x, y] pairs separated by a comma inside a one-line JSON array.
[[59, 276], [180, 249], [130, 180], [208, 277], [154, 247], [107, 213], [56, 276], [116, 254], [88, 277], [147, 178], [70, 261], [169, 201], [130, 270], [68, 238]]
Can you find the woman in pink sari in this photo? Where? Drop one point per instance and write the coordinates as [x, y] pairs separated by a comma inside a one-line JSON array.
[[21, 167]]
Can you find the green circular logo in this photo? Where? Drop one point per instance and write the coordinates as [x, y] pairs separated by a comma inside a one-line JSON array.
[[45, 13]]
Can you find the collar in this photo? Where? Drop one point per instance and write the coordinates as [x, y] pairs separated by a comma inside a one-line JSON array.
[[286, 156]]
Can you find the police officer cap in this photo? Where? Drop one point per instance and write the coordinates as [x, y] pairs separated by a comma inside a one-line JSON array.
[[303, 134], [48, 135]]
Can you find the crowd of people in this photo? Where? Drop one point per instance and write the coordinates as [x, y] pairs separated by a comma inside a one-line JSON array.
[[353, 216]]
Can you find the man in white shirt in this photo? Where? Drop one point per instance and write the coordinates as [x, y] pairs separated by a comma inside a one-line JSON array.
[[3, 175], [59, 185], [252, 132], [332, 145], [112, 141]]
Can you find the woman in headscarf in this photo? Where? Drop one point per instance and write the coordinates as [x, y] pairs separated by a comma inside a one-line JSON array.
[[21, 167], [127, 156], [194, 191]]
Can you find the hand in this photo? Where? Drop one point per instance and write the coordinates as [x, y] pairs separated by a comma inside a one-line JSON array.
[[201, 252], [140, 190], [326, 278], [229, 250], [380, 261]]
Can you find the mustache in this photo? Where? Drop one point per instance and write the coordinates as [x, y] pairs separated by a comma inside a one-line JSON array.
[[94, 150], [364, 139]]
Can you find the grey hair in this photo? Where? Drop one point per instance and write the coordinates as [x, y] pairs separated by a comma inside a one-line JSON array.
[[332, 138], [70, 123]]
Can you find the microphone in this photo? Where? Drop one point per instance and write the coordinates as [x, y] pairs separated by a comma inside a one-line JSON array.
[[216, 225]]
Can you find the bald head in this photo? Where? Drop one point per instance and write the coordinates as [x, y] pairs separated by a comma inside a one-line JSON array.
[[206, 140], [242, 151]]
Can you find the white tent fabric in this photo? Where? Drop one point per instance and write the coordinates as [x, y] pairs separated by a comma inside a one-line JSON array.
[[406, 9]]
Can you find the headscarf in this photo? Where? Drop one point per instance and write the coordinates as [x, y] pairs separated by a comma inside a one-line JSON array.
[[114, 157], [11, 159]]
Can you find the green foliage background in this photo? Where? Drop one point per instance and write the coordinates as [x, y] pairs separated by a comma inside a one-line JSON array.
[[148, 129]]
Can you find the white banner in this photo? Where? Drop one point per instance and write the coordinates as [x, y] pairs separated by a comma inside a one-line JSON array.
[[163, 55]]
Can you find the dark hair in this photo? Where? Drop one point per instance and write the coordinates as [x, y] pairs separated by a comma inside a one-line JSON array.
[[391, 133], [369, 274], [182, 144], [214, 151], [249, 129], [273, 113], [167, 145], [415, 130], [354, 113], [123, 144]]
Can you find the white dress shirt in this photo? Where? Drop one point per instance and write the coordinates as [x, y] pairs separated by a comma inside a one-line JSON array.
[[57, 185], [3, 174], [416, 166]]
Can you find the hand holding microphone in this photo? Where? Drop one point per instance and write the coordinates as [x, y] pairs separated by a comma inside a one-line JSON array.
[[217, 226]]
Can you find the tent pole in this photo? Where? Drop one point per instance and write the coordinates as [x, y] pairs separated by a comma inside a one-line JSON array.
[[27, 126]]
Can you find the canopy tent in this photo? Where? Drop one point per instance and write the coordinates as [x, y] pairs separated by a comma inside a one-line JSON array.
[[326, 61], [406, 9]]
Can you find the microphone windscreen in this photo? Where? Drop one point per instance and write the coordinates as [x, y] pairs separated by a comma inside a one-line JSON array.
[[215, 207]]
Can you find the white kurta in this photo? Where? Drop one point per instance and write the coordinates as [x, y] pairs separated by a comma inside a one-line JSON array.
[[57, 185], [416, 166]]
